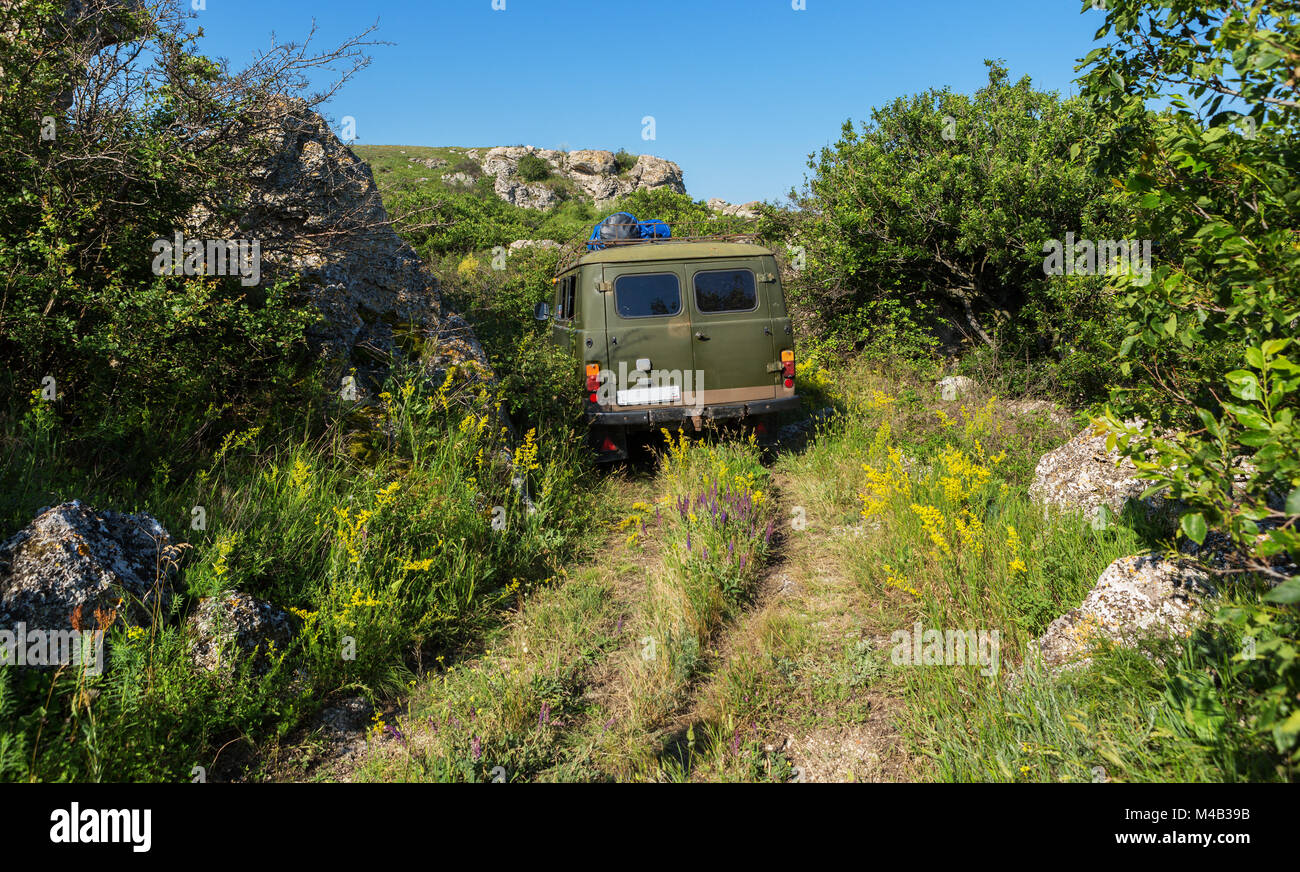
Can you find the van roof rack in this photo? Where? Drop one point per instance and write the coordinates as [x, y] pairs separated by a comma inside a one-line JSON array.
[[573, 250]]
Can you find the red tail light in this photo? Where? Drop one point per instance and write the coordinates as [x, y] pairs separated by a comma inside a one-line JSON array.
[[787, 367], [593, 379], [608, 445]]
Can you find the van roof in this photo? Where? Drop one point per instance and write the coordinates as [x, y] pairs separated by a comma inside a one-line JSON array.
[[670, 249]]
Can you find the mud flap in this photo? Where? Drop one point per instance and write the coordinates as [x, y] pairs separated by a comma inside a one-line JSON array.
[[608, 443]]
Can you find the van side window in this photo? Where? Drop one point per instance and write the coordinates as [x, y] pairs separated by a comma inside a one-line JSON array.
[[641, 296], [569, 298], [560, 312], [725, 290]]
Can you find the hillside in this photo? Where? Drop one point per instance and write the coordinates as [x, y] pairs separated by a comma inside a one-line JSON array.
[[596, 177]]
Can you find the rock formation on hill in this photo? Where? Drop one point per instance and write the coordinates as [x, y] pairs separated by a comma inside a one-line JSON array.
[[595, 173]]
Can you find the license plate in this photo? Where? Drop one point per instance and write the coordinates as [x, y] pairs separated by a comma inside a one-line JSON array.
[[646, 396]]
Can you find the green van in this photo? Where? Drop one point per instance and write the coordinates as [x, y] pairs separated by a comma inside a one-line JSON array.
[[674, 331]]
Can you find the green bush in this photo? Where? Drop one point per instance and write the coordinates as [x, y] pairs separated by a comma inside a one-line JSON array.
[[1212, 332], [938, 208], [533, 168], [624, 160]]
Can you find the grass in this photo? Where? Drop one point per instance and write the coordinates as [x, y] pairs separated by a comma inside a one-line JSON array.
[[394, 165], [386, 564]]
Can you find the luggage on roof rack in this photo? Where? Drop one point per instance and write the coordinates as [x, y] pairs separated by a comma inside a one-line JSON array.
[[619, 227], [655, 229]]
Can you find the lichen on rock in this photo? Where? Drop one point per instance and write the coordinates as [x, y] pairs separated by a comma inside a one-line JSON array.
[[74, 567]]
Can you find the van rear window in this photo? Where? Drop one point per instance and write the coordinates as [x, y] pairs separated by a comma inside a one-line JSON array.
[[641, 296], [725, 290]]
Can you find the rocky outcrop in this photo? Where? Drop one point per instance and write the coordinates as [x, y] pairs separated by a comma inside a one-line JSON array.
[[235, 626], [1082, 475], [75, 567], [741, 210], [1136, 597], [317, 213], [593, 172]]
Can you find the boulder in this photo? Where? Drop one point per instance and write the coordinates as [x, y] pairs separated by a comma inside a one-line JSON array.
[[526, 196], [742, 210], [1083, 475], [234, 626], [432, 163], [591, 163], [955, 387], [1140, 596], [317, 213], [75, 567]]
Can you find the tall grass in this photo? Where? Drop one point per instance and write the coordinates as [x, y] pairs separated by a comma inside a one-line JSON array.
[[950, 539], [386, 564]]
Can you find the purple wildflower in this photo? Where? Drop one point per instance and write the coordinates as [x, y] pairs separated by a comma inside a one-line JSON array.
[[476, 748], [544, 716]]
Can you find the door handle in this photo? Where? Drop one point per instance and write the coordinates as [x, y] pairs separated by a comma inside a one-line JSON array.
[[703, 337]]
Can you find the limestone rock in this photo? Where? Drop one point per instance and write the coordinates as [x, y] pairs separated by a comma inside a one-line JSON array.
[[741, 210], [593, 172], [955, 387], [1135, 596], [103, 567], [1083, 475], [524, 195], [317, 213], [520, 244], [235, 625]]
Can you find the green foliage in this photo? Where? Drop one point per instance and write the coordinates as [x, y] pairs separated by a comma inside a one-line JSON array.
[[1217, 190], [533, 168], [946, 200], [401, 556], [624, 160], [79, 302]]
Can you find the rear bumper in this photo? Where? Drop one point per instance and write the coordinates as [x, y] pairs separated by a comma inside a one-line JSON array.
[[714, 412]]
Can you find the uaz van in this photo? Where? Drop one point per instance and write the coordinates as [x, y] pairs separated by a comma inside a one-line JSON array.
[[673, 332]]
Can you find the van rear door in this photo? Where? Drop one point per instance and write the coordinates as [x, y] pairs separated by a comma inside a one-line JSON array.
[[648, 327], [731, 328]]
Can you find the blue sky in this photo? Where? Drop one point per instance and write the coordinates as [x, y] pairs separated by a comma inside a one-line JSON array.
[[741, 91]]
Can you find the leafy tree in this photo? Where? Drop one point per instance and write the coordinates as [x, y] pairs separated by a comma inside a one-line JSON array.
[[946, 199], [113, 128], [1215, 175]]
